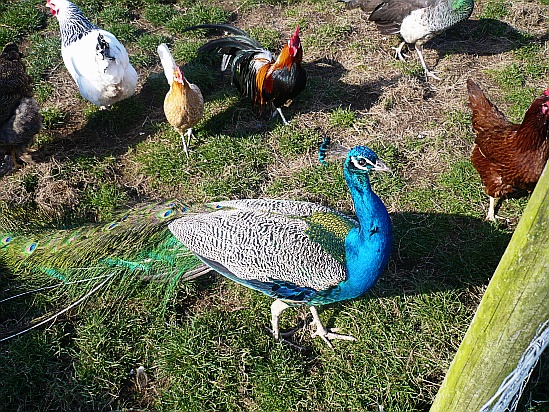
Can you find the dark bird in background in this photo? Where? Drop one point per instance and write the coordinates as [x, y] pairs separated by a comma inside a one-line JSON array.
[[509, 157], [255, 72], [20, 117], [416, 21]]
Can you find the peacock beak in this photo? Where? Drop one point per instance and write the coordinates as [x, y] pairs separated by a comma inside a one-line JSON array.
[[381, 167]]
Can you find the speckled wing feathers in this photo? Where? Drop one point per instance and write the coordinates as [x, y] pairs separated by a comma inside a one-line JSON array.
[[265, 241]]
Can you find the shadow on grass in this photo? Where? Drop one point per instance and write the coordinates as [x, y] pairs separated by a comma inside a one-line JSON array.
[[483, 37]]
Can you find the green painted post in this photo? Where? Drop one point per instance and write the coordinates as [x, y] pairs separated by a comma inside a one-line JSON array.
[[515, 303]]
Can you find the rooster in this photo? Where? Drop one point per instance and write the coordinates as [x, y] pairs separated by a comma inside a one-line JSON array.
[[184, 104], [509, 157], [416, 21], [20, 117], [255, 72], [96, 60]]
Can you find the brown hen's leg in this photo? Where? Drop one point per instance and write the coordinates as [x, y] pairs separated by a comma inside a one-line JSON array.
[[495, 204]]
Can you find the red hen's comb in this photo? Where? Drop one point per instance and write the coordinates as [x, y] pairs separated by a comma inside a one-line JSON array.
[[546, 92]]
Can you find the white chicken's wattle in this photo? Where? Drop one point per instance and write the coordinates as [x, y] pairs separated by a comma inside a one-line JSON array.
[[96, 60]]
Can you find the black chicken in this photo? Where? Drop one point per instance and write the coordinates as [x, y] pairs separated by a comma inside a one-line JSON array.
[[20, 117]]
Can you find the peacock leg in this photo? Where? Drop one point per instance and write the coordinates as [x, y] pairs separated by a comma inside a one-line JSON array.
[[398, 52], [276, 310], [326, 333], [428, 73]]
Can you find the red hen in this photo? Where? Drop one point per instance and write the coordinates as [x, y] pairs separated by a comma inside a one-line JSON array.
[[509, 157]]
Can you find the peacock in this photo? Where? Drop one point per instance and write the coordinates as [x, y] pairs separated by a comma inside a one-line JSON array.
[[416, 21], [300, 253]]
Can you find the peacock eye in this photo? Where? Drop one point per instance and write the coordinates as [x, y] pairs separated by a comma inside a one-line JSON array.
[[362, 162]]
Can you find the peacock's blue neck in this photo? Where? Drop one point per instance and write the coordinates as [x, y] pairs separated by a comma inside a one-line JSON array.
[[367, 247]]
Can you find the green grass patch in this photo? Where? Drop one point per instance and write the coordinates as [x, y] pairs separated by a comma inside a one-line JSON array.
[[43, 55], [495, 9], [324, 36], [342, 118], [197, 14], [53, 117], [220, 167], [294, 140], [268, 38], [18, 18]]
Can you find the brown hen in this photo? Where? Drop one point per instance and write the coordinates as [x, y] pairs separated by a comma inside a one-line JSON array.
[[184, 104], [20, 118], [509, 157]]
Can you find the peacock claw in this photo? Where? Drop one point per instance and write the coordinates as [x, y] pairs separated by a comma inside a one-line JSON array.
[[327, 333]]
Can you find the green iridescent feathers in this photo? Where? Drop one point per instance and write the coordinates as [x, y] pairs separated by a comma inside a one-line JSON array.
[[66, 265], [329, 231]]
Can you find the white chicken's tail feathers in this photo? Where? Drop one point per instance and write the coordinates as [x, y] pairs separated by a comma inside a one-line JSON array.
[[168, 63]]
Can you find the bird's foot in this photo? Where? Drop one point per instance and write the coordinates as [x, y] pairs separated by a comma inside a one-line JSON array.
[[429, 73], [398, 52], [279, 111], [328, 334], [283, 338]]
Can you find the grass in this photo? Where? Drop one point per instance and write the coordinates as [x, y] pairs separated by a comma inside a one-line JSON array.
[[203, 345]]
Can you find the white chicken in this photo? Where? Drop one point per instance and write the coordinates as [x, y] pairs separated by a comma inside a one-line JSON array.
[[96, 60]]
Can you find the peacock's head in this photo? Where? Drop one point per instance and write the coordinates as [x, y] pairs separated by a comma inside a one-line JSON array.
[[362, 159], [294, 44]]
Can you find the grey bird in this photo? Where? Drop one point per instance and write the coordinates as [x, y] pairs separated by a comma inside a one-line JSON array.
[[20, 117], [416, 21]]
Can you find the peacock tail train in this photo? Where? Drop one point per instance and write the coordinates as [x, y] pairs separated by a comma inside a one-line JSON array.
[[66, 266]]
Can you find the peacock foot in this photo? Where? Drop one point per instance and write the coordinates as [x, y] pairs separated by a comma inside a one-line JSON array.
[[327, 334]]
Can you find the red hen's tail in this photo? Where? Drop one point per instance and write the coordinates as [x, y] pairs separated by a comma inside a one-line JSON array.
[[485, 114]]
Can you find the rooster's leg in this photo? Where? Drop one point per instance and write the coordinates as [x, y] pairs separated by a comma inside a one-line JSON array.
[[428, 73], [398, 52], [326, 333], [279, 110]]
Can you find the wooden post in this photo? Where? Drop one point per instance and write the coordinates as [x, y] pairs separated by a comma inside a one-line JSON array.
[[515, 303]]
